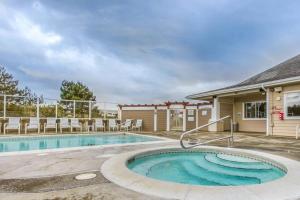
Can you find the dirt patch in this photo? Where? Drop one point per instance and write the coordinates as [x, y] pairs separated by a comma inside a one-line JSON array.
[[48, 184], [88, 196]]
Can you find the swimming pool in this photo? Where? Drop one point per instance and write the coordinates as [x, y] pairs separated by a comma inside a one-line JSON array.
[[28, 143], [205, 168]]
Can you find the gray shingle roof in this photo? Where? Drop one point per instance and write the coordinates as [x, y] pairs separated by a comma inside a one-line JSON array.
[[287, 69]]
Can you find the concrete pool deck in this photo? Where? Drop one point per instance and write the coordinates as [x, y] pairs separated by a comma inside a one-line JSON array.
[[51, 175]]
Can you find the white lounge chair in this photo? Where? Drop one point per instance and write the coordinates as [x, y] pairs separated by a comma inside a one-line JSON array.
[[126, 125], [12, 124], [112, 124], [34, 124], [50, 124], [99, 124], [76, 124], [64, 124], [138, 125]]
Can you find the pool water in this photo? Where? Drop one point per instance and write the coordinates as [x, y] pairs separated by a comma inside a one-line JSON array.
[[10, 144], [205, 168]]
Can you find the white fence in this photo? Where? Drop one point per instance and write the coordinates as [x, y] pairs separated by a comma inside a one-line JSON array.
[[20, 106]]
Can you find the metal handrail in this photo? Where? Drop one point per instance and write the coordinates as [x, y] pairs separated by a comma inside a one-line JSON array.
[[230, 137]]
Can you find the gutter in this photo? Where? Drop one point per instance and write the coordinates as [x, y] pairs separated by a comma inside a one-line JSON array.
[[247, 87], [263, 88]]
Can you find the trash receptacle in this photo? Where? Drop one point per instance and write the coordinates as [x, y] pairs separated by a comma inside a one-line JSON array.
[[235, 127]]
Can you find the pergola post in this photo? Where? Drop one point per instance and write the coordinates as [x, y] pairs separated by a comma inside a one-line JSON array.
[[155, 120], [168, 119], [184, 119]]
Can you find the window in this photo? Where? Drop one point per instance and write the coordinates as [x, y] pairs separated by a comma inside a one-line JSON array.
[[255, 110], [292, 105]]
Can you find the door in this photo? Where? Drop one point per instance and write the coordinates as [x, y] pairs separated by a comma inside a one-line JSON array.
[[176, 120], [225, 110]]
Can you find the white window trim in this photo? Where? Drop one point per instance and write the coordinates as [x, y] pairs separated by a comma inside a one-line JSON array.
[[252, 119], [285, 106]]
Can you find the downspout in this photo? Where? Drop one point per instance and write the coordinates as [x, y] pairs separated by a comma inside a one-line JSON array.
[[263, 88], [267, 109]]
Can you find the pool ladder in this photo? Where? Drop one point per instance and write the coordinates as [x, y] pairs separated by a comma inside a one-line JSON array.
[[229, 138]]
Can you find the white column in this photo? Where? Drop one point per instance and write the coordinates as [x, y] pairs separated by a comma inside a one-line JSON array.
[[215, 115], [268, 113], [155, 120], [168, 119], [120, 113], [184, 120], [197, 117]]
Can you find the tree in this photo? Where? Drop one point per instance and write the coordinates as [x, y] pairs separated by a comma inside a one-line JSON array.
[[70, 90], [9, 86], [7, 83], [20, 106]]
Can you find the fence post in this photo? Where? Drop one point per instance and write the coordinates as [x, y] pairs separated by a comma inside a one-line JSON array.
[[56, 109], [105, 113], [90, 110], [4, 106], [74, 113], [38, 108]]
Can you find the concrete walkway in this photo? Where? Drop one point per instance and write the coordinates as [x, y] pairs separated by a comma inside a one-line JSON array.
[[51, 175]]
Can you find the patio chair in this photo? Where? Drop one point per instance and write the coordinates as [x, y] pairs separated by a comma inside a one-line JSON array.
[[99, 124], [76, 124], [34, 124], [50, 124], [12, 124], [64, 124], [112, 124], [138, 125], [126, 125]]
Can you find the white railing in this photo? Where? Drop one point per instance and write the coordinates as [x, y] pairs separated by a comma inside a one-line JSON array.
[[229, 138], [21, 106]]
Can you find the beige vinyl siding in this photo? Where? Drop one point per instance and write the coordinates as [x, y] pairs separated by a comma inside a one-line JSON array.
[[146, 115], [286, 127], [249, 125], [204, 119], [161, 120]]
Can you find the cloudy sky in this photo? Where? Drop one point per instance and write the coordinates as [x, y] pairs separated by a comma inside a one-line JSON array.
[[140, 51]]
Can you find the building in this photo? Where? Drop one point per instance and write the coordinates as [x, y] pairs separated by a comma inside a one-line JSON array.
[[169, 116], [267, 103]]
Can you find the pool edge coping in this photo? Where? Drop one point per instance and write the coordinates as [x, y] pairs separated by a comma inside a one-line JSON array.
[[46, 151], [287, 187]]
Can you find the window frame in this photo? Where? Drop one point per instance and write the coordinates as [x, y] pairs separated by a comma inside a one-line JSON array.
[[285, 105], [259, 119]]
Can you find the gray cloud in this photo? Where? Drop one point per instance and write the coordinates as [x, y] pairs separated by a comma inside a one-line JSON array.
[[144, 51]]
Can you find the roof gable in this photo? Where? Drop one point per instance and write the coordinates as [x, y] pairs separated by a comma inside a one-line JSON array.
[[287, 69]]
